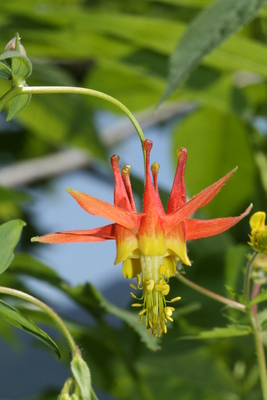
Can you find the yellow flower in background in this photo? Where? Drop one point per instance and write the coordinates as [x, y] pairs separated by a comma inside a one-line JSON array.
[[258, 235]]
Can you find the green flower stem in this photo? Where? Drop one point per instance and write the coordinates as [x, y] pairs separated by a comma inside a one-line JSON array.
[[87, 92], [258, 342], [212, 295], [247, 275], [47, 310]]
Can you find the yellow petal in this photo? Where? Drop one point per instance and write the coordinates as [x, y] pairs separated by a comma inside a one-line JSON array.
[[131, 268], [176, 243], [126, 242], [170, 266], [257, 220]]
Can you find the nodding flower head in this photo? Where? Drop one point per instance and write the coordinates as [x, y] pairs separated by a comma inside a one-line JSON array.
[[149, 244]]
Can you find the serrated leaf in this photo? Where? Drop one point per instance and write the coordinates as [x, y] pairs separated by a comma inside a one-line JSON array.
[[220, 333], [207, 31], [18, 104], [21, 321], [5, 71], [9, 236]]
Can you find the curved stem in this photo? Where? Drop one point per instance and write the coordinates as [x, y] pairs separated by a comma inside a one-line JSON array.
[[61, 325], [212, 295], [87, 92], [247, 275]]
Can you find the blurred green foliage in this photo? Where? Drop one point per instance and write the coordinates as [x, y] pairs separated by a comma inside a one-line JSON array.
[[123, 49]]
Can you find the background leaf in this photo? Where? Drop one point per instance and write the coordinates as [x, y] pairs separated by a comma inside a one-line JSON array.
[[21, 321], [209, 29], [9, 236], [211, 139], [221, 333]]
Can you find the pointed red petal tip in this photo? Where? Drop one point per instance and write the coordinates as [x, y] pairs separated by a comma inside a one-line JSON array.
[[178, 193]]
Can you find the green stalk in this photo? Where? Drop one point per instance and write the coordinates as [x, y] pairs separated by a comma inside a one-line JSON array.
[[87, 92], [212, 295], [247, 275]]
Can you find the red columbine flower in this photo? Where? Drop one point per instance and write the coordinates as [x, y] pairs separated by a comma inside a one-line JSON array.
[[150, 243]]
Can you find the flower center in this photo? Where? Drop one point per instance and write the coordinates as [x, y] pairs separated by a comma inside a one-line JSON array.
[[155, 288]]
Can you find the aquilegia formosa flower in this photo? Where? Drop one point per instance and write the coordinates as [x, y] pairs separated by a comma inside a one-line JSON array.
[[152, 242]]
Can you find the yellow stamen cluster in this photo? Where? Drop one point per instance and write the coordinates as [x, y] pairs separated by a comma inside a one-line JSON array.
[[154, 305]]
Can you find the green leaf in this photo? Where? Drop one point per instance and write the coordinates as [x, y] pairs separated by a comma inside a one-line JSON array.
[[21, 321], [9, 236], [82, 376], [21, 69], [10, 54], [21, 65], [260, 298], [18, 104], [262, 318], [216, 143], [221, 333], [207, 31], [5, 71]]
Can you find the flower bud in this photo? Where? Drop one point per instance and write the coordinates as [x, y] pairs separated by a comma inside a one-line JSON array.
[[14, 44], [67, 389]]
